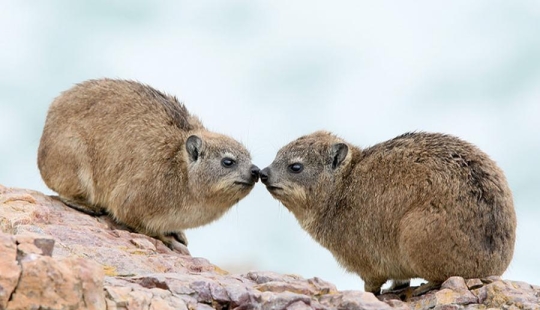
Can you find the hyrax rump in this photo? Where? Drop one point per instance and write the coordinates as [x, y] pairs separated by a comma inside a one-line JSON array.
[[421, 205], [126, 149]]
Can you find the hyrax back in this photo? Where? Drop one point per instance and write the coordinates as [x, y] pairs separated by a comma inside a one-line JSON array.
[[420, 205], [129, 150]]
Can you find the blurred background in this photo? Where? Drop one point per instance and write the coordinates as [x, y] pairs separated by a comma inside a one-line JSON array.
[[267, 72]]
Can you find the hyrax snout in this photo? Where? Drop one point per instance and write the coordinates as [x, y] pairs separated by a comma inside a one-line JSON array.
[[421, 205], [126, 149]]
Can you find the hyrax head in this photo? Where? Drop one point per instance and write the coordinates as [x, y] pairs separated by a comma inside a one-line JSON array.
[[305, 171], [220, 172]]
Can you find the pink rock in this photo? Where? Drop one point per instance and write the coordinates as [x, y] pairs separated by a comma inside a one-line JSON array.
[[9, 269], [456, 284], [55, 257], [474, 283], [499, 294], [59, 284]]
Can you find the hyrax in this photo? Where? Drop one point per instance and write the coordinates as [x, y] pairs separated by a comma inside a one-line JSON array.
[[421, 205], [126, 149]]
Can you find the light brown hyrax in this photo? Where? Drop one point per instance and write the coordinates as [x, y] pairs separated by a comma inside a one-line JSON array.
[[126, 149], [421, 205]]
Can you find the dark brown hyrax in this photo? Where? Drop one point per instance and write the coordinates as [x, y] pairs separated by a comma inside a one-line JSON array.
[[126, 149], [421, 205]]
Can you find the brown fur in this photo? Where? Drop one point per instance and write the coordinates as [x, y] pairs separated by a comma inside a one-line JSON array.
[[129, 150], [422, 205]]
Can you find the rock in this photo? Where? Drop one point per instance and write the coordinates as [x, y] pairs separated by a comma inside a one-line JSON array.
[[474, 283], [354, 300], [10, 271], [503, 294], [31, 279], [67, 283], [31, 245], [54, 257], [443, 297], [456, 284]]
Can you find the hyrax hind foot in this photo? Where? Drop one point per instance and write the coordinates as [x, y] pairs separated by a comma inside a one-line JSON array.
[[426, 287], [397, 287], [176, 241]]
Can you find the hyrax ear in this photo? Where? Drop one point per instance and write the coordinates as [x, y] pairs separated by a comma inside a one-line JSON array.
[[193, 147], [339, 152]]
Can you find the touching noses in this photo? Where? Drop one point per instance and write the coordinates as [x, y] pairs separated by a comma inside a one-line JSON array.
[[255, 173], [264, 175]]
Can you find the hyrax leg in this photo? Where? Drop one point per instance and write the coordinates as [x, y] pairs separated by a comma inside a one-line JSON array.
[[177, 241], [83, 206], [373, 286], [400, 284]]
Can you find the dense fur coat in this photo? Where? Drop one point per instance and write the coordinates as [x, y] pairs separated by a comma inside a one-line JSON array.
[[422, 205], [136, 153]]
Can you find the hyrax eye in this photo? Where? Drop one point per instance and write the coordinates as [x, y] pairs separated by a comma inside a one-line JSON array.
[[296, 168], [228, 162]]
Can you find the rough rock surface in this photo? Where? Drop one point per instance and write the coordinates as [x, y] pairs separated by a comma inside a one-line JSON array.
[[53, 257]]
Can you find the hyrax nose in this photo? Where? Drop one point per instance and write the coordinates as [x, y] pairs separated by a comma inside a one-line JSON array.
[[255, 173], [264, 175]]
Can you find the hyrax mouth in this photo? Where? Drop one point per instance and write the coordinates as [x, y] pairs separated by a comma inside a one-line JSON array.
[[272, 188], [244, 183]]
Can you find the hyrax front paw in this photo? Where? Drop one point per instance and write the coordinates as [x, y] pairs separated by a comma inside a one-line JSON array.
[[176, 241]]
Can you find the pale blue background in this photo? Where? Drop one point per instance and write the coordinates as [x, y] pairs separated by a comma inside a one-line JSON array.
[[268, 72]]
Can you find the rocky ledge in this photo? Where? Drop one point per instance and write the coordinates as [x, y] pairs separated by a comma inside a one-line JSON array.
[[53, 257]]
